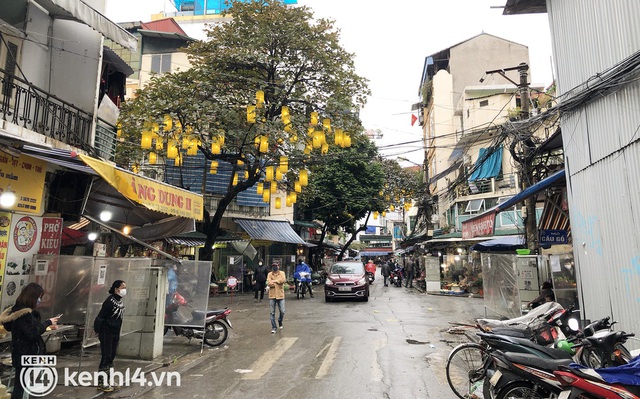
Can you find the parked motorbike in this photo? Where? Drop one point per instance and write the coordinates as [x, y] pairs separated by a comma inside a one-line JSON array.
[[613, 382], [215, 331]]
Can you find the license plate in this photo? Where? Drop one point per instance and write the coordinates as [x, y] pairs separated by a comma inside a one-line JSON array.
[[496, 377], [344, 289], [564, 395]]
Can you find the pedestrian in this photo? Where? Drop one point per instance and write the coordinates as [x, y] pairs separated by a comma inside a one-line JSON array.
[[408, 270], [107, 325], [261, 279], [385, 270], [275, 281], [23, 321]]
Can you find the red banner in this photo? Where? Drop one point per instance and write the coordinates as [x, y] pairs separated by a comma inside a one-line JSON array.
[[478, 227]]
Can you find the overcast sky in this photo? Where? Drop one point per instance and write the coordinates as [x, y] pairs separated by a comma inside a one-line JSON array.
[[390, 40]]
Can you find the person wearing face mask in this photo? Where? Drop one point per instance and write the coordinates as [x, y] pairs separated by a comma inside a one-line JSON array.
[[275, 281], [261, 279], [23, 321], [107, 325]]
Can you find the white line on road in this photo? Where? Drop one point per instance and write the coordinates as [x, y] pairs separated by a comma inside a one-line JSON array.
[[329, 359], [269, 358], [376, 374]]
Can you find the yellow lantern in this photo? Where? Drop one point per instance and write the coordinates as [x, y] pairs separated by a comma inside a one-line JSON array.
[[264, 144], [304, 177], [407, 206], [318, 137], [278, 203], [347, 140], [314, 118], [293, 138], [146, 139], [273, 187], [297, 187], [260, 188], [268, 171], [392, 208], [172, 149], [193, 147], [326, 123], [375, 215], [259, 98], [235, 179], [168, 123], [220, 139], [337, 138], [288, 200], [266, 195], [119, 130], [294, 197], [215, 147], [213, 169], [251, 113], [278, 174], [153, 157], [155, 127], [177, 161], [284, 164], [186, 140], [159, 143], [307, 149], [384, 213], [324, 149], [246, 174]]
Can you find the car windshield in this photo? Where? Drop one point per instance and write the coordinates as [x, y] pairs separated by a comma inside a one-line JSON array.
[[339, 268]]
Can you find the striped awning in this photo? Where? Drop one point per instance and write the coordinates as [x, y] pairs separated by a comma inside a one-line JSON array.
[[270, 230], [189, 242]]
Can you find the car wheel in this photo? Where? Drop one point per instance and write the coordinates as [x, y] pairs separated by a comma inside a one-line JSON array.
[[365, 298], [327, 299]]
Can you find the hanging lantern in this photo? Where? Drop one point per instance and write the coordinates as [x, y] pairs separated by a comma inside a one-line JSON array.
[[177, 161], [375, 215], [168, 123], [235, 179], [304, 177], [268, 171], [326, 123], [153, 158], [347, 140], [392, 208], [264, 144], [278, 176], [273, 187], [246, 174], [314, 118], [159, 143], [278, 203], [307, 149], [251, 113], [213, 169], [119, 130], [155, 127], [145, 142], [298, 187], [186, 140], [215, 147], [324, 149], [337, 138], [318, 137], [384, 213], [407, 206], [172, 149], [288, 200], [294, 197], [193, 147], [260, 188], [178, 126], [266, 195], [293, 138], [259, 98], [284, 164], [220, 139]]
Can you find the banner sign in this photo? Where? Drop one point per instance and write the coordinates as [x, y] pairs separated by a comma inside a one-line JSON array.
[[149, 193], [553, 237], [478, 227], [25, 177]]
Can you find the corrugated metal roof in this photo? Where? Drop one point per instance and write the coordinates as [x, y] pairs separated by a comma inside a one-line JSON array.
[[270, 230]]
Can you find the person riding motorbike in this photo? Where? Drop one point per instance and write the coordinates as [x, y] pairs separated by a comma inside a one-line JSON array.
[[302, 267], [370, 267]]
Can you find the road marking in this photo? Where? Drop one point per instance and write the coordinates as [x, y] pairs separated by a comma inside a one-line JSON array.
[[330, 358], [376, 374], [269, 358]]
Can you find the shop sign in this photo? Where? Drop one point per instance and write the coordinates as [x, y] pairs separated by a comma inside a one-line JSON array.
[[24, 176], [553, 237], [478, 227]]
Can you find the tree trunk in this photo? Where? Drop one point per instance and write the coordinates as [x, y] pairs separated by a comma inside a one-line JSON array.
[[353, 237]]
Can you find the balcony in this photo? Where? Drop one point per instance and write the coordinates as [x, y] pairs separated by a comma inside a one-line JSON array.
[[27, 106]]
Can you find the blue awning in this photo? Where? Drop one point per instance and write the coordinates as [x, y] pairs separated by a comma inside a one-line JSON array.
[[488, 164], [506, 243], [374, 253], [270, 230], [532, 190]]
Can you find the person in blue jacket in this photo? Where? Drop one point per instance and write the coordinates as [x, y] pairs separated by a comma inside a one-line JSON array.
[[302, 267]]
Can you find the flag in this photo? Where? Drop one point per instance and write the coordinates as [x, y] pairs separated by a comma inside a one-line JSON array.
[[413, 119]]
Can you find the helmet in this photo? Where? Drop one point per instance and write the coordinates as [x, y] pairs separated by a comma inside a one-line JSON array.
[[566, 346]]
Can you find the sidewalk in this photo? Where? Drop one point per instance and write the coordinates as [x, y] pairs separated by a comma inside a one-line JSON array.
[[178, 356]]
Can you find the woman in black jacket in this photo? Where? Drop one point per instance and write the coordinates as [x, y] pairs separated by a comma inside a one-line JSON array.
[[23, 321], [107, 325]]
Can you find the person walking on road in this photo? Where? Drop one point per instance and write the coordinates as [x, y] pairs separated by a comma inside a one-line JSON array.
[[408, 270], [275, 282], [261, 280], [386, 271], [23, 321], [108, 324]]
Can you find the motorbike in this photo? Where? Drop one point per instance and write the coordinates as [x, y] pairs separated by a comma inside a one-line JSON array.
[[396, 278], [302, 287], [216, 322], [613, 382], [370, 277]]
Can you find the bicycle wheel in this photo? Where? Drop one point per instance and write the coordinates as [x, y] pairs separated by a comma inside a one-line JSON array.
[[466, 369]]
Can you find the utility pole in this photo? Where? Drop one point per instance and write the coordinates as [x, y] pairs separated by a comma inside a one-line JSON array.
[[531, 229]]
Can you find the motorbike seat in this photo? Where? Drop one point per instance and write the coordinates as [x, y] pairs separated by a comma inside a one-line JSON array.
[[216, 312], [535, 361], [501, 341]]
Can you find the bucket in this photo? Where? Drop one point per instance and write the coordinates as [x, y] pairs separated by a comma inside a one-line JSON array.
[[53, 344]]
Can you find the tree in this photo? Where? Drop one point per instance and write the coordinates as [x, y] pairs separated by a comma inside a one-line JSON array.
[[345, 191], [263, 90]]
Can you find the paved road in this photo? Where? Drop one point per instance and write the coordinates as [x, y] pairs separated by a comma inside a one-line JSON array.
[[393, 346]]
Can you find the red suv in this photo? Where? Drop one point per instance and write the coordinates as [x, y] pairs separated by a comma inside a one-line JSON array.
[[346, 280]]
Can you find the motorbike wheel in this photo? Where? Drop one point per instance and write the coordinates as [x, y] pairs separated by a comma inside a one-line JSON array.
[[465, 369], [520, 390], [215, 333]]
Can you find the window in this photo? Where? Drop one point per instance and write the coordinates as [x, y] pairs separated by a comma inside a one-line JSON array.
[[484, 103], [161, 63], [475, 205]]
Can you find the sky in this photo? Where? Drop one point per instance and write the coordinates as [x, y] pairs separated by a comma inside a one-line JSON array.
[[390, 41]]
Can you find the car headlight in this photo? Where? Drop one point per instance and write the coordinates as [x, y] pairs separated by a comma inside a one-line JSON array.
[[362, 281]]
